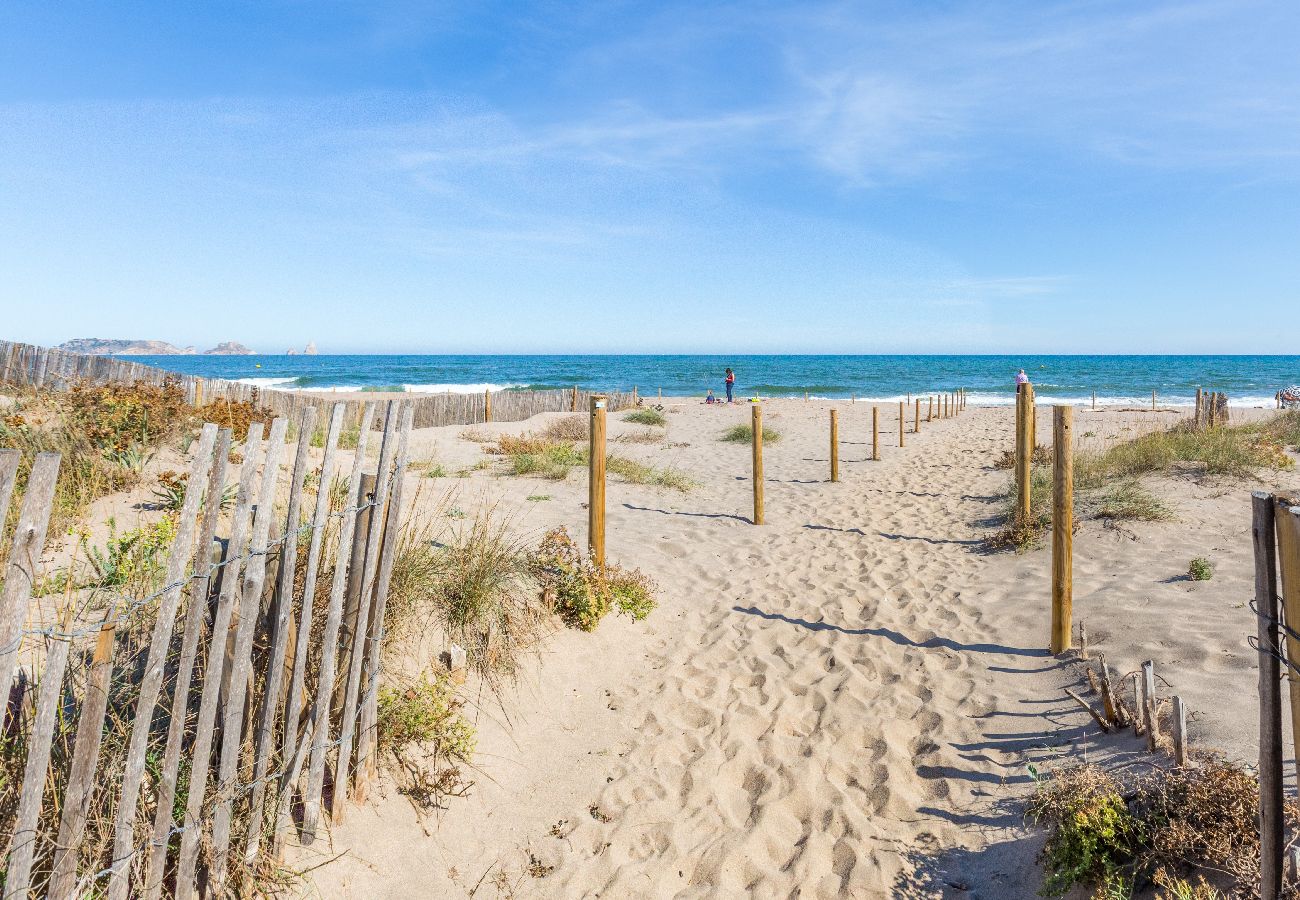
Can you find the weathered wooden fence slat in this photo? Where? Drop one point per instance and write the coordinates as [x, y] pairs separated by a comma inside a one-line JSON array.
[[20, 573], [204, 728], [366, 740], [348, 719], [232, 730], [195, 616], [320, 715], [294, 702]]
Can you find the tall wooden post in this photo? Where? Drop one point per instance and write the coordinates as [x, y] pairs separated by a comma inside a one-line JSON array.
[[916, 419], [634, 395], [1094, 400], [596, 481], [487, 405], [573, 400], [1024, 454], [875, 433], [1196, 418], [757, 423], [929, 409], [1062, 527], [902, 424], [835, 445], [1270, 697], [1153, 401]]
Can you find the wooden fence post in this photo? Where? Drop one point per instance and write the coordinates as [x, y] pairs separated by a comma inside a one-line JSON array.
[[916, 419], [1270, 698], [1287, 528], [929, 409], [902, 425], [20, 573], [487, 405], [1180, 731], [573, 400], [875, 433], [835, 445], [1150, 717], [596, 481], [1023, 457], [756, 424], [1094, 401], [1062, 528]]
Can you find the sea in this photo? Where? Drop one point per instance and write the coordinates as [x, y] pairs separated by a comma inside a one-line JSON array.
[[989, 380]]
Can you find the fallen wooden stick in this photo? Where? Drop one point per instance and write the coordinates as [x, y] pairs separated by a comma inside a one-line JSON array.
[[1096, 716]]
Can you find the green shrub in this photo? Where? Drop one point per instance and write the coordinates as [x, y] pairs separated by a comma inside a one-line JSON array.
[[581, 592], [1092, 836], [646, 416], [744, 434], [133, 558], [1200, 569], [425, 712]]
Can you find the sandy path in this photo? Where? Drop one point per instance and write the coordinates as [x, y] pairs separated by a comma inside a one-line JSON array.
[[841, 702]]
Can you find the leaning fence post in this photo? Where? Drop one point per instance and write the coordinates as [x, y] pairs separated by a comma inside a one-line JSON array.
[[1062, 528], [596, 480], [1270, 698]]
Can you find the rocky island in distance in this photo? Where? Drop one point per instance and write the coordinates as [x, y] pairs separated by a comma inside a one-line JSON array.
[[103, 347]]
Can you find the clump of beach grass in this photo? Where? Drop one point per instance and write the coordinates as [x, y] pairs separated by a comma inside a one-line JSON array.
[[646, 416], [1200, 569], [568, 428], [640, 436], [639, 473], [744, 434], [580, 591]]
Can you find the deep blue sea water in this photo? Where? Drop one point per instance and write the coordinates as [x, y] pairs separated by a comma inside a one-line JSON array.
[[1248, 380]]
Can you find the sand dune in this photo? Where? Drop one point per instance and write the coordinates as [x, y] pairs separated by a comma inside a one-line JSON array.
[[840, 703]]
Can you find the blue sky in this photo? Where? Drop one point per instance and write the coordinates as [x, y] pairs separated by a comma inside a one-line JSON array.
[[617, 177]]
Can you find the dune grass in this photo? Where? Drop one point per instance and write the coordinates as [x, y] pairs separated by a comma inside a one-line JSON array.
[[744, 434], [646, 416], [639, 473], [1108, 483]]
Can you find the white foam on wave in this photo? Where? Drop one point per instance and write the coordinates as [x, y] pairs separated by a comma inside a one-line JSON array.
[[281, 383], [457, 388]]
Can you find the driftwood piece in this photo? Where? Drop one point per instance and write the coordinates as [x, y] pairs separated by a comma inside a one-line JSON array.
[[1091, 710]]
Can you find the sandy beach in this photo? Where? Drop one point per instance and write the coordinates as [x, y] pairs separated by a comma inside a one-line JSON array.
[[843, 702]]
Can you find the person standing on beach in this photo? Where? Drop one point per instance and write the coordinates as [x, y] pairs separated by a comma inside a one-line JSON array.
[[731, 383], [1021, 380]]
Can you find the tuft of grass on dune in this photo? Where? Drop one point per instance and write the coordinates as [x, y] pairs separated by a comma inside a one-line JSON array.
[[646, 416], [1108, 483], [744, 434], [639, 473]]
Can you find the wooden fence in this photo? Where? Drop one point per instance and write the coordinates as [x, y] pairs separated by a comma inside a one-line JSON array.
[[49, 368], [171, 739]]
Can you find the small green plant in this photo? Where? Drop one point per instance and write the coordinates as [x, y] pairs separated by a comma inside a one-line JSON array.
[[744, 434], [170, 492], [433, 470], [133, 558], [133, 458], [582, 592], [1200, 569], [646, 416], [1092, 837], [425, 712], [1128, 499]]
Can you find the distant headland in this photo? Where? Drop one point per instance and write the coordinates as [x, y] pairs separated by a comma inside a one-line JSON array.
[[102, 347]]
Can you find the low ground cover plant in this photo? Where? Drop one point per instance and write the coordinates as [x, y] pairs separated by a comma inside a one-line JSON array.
[[646, 416], [743, 434]]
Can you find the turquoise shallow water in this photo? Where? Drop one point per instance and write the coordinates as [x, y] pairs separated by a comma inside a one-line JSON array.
[[1248, 380]]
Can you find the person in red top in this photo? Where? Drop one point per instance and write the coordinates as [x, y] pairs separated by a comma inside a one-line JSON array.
[[731, 383]]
